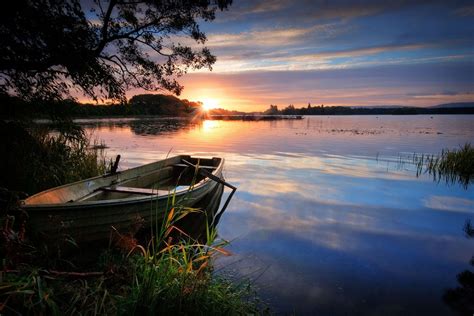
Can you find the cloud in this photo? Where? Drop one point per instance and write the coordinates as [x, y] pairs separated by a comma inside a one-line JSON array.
[[362, 57], [265, 6], [450, 204], [446, 94], [307, 10], [281, 10], [272, 37], [355, 52], [337, 53], [465, 11], [316, 47], [399, 84]]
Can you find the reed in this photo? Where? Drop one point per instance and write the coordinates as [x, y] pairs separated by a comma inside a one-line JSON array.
[[174, 273], [176, 278], [34, 158], [451, 166]]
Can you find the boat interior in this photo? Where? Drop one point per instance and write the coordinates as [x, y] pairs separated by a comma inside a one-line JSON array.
[[175, 174], [170, 178]]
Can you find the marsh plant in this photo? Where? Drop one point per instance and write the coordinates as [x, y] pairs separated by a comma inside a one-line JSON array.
[[37, 157], [174, 274], [451, 166]]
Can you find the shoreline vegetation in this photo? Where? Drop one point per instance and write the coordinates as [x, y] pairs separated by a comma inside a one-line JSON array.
[[171, 106]]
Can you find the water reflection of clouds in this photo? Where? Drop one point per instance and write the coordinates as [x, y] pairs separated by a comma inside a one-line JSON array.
[[358, 182], [339, 255], [329, 225], [276, 279], [362, 167], [312, 184], [324, 211], [450, 204], [325, 252]]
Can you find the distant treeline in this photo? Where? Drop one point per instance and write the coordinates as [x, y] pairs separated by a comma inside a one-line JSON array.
[[460, 108], [168, 105], [220, 111], [145, 104]]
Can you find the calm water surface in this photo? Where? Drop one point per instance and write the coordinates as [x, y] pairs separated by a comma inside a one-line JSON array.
[[326, 220]]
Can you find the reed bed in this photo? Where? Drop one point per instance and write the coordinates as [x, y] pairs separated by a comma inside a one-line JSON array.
[[451, 166], [36, 157]]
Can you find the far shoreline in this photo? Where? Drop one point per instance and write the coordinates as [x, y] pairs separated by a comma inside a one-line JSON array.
[[246, 117]]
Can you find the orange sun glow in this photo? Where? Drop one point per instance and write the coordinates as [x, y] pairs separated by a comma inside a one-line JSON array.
[[208, 104]]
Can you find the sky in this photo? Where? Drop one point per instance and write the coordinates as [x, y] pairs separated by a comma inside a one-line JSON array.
[[411, 53]]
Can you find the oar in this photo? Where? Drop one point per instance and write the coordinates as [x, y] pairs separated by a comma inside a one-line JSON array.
[[208, 174]]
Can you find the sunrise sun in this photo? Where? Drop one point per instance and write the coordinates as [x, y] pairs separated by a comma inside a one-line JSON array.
[[209, 103]]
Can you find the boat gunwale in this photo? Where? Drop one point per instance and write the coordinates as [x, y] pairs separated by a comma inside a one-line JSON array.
[[124, 201]]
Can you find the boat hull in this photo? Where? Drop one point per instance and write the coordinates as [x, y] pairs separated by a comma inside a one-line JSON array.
[[88, 221]]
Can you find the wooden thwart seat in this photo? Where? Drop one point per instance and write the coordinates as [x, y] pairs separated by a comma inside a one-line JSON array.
[[132, 190], [201, 167]]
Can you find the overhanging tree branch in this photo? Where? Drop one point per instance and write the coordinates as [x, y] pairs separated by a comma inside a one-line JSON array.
[[105, 25], [102, 60]]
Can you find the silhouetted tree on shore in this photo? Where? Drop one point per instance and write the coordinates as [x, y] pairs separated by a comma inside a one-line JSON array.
[[100, 47]]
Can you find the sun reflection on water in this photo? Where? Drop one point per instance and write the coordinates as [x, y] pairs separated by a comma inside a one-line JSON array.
[[209, 126]]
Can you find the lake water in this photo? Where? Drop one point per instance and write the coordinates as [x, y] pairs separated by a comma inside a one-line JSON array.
[[326, 220]]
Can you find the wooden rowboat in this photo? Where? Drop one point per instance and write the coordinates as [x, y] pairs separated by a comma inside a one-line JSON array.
[[86, 210]]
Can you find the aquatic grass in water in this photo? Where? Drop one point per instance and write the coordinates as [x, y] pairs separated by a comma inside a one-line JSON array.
[[451, 165]]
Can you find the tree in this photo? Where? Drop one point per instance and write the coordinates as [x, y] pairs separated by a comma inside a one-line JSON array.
[[289, 110], [101, 48], [272, 110]]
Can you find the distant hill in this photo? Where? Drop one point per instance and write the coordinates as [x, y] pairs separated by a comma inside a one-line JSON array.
[[439, 106], [454, 105], [378, 106]]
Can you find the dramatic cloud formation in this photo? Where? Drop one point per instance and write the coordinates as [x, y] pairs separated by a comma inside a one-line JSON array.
[[399, 84], [339, 53]]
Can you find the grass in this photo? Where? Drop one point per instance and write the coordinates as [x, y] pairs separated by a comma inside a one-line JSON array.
[[173, 274], [34, 158], [451, 166]]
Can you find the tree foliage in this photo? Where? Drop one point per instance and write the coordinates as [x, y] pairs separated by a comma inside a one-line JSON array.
[[101, 47]]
